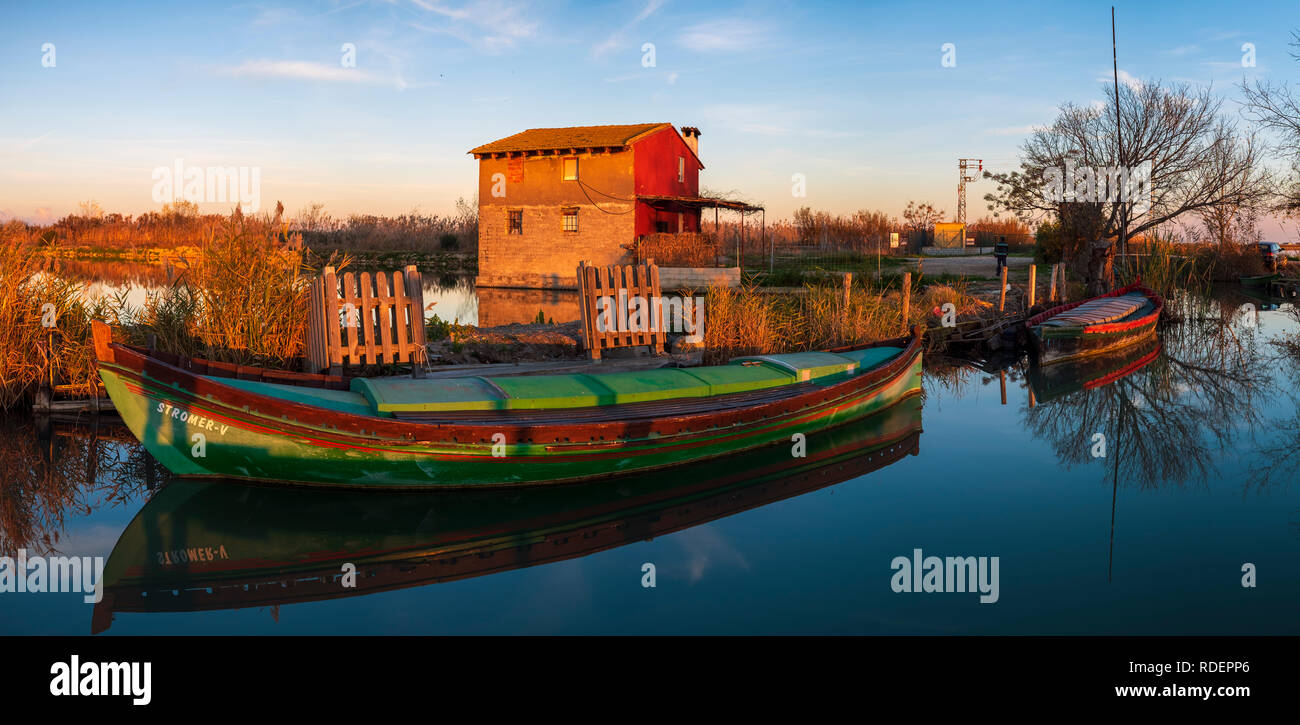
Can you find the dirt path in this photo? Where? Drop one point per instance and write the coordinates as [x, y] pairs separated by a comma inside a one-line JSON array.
[[973, 266]]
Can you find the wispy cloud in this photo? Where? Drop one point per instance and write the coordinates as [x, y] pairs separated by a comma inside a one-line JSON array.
[[492, 26], [723, 36], [767, 120], [1183, 50], [1012, 130], [618, 37], [707, 549], [28, 143], [303, 70], [1124, 77], [275, 16]]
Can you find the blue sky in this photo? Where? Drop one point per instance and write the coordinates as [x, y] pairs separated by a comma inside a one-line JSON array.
[[852, 95]]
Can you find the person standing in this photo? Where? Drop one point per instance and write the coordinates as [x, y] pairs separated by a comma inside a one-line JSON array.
[[1000, 251]]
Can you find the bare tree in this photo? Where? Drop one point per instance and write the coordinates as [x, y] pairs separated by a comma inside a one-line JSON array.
[[1276, 108], [1178, 155], [921, 217]]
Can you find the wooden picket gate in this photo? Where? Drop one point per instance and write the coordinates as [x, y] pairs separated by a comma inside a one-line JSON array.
[[619, 285], [368, 322]]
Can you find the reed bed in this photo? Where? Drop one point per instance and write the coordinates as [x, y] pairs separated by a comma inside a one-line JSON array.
[[241, 300], [44, 323], [678, 250], [180, 226], [749, 321], [1164, 266]]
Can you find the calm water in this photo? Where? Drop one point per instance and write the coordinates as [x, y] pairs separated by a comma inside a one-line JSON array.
[[1198, 478]]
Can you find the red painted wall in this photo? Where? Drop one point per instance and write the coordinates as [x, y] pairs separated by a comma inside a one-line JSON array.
[[655, 164]]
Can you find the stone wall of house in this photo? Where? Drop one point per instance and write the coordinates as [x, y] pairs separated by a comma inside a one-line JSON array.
[[545, 256]]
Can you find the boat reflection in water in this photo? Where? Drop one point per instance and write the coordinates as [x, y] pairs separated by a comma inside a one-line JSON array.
[[1072, 376], [202, 545]]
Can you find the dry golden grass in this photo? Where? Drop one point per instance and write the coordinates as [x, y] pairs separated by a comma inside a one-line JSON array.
[[748, 321], [30, 297], [678, 250], [241, 300]]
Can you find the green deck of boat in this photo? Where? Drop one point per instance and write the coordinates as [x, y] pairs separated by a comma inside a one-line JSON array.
[[385, 396]]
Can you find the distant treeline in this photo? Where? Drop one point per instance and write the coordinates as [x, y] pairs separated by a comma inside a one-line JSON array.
[[182, 225], [862, 231]]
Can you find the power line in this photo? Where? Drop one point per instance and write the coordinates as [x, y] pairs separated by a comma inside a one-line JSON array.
[[598, 191]]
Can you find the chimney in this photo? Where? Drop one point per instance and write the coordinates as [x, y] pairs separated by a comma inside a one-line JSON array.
[[691, 135]]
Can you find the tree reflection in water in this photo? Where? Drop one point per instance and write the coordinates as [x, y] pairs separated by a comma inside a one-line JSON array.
[[1164, 423], [49, 472]]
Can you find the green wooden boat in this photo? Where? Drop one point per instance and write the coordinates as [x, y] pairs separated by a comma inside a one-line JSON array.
[[208, 545], [1259, 280], [1102, 324], [201, 419]]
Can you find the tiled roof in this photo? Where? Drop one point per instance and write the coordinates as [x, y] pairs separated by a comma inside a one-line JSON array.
[[577, 137]]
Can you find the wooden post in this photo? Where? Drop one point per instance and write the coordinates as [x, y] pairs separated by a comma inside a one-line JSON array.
[[45, 391], [907, 298], [1051, 293], [415, 294], [848, 283], [333, 337], [1033, 284], [1002, 292], [771, 245], [1002, 382], [740, 249]]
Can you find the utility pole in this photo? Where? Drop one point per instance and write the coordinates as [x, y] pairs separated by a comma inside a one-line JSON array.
[[964, 176], [1119, 138]]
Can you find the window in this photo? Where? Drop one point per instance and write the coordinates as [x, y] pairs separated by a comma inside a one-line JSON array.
[[571, 169], [570, 220], [681, 169], [661, 227], [515, 221]]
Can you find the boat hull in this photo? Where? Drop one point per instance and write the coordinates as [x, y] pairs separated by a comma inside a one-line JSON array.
[[197, 427], [1259, 281]]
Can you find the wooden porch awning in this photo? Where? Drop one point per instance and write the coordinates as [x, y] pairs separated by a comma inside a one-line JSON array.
[[701, 202]]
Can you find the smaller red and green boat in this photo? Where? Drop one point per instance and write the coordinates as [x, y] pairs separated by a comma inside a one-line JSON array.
[[1102, 324], [205, 420]]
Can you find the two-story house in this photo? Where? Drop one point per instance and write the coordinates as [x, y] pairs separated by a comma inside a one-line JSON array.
[[550, 197]]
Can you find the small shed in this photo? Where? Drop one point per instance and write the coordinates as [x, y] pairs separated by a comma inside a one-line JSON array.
[[950, 235]]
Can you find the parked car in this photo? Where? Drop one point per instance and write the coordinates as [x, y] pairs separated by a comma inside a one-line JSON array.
[[1272, 254]]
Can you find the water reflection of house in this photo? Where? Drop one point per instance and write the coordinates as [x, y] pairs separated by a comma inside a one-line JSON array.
[[551, 197]]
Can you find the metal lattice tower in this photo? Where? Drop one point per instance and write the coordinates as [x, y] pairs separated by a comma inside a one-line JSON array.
[[964, 176]]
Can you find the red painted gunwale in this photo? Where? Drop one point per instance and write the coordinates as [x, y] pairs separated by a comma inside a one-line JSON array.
[[1103, 328]]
